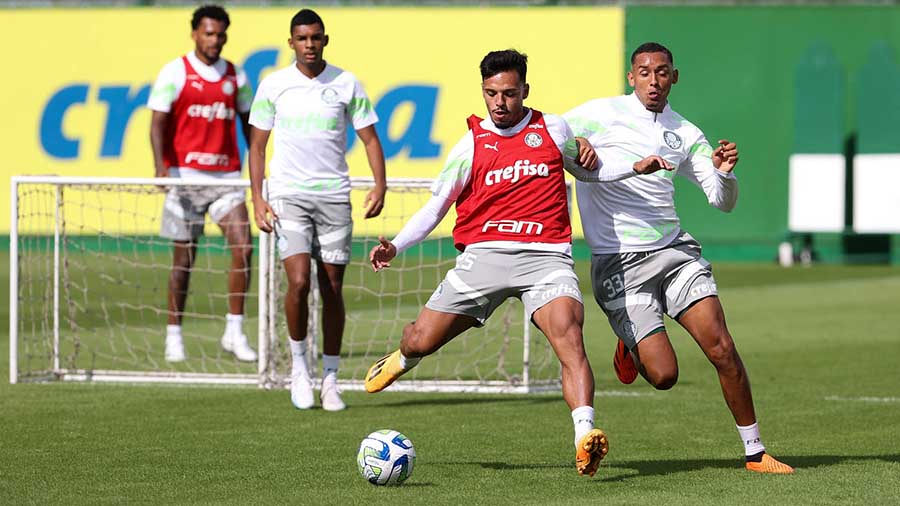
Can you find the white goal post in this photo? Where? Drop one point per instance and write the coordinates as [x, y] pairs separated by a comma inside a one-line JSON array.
[[88, 287]]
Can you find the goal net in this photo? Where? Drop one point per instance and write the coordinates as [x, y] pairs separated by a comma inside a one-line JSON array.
[[89, 283]]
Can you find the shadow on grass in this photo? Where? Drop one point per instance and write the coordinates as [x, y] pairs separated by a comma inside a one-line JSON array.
[[645, 468]]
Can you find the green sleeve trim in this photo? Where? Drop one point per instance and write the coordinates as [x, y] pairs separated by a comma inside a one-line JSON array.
[[702, 149], [359, 108], [454, 170], [245, 94], [583, 127], [570, 149], [263, 110], [165, 93]]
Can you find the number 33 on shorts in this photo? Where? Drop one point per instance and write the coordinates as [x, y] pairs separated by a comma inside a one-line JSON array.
[[614, 285]]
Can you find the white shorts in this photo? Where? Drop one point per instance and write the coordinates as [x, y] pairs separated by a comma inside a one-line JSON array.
[[636, 289], [185, 207], [484, 278], [319, 226]]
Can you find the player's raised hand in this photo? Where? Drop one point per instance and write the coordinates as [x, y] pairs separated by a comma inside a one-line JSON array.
[[382, 254], [652, 164], [374, 202], [725, 157], [262, 212], [587, 156]]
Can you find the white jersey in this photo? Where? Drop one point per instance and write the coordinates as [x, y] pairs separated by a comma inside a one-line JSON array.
[[310, 119], [172, 77], [638, 213]]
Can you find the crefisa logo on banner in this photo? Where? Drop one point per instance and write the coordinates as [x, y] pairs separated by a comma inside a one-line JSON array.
[[122, 101]]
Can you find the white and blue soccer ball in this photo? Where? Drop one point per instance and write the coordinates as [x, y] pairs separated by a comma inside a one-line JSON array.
[[386, 457]]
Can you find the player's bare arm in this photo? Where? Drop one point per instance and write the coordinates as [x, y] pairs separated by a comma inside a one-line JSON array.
[[382, 254], [725, 156], [652, 164], [587, 156], [245, 125], [158, 123], [374, 202], [262, 211]]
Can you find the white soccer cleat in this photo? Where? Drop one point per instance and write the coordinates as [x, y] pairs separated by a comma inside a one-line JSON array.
[[331, 397], [301, 392], [238, 345], [174, 349]]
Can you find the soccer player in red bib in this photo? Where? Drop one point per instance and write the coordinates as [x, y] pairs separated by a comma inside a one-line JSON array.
[[506, 177], [196, 101]]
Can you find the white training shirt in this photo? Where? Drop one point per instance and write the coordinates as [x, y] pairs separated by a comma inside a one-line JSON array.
[[310, 119], [457, 172], [168, 86], [638, 213]]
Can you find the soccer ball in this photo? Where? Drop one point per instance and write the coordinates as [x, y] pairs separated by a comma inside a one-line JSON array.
[[385, 457]]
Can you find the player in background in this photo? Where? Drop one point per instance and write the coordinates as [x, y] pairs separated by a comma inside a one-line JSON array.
[[506, 177], [643, 263], [196, 101], [310, 105]]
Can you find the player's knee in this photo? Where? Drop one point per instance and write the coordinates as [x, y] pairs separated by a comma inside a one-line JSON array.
[[414, 343], [298, 286], [242, 253], [723, 354], [331, 291], [180, 274], [663, 379]]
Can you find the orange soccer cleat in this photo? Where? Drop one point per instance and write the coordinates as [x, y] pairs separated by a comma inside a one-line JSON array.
[[768, 464], [592, 447], [626, 371], [384, 372]]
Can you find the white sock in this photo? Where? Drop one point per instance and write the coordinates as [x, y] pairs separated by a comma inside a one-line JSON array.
[[173, 331], [408, 363], [234, 324], [750, 438], [298, 358], [330, 368], [583, 418]]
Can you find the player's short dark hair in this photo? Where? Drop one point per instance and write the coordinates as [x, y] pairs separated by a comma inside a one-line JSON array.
[[215, 12], [501, 61], [306, 17], [652, 47]]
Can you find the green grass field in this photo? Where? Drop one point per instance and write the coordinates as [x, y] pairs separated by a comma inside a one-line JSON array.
[[822, 347]]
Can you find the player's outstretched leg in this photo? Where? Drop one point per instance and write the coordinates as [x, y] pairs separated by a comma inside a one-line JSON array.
[[591, 449], [431, 330], [623, 364]]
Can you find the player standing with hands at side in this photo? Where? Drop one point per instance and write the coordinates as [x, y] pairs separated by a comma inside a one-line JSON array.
[[643, 265], [309, 105], [196, 101]]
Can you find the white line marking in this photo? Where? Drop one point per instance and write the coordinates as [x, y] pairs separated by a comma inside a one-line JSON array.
[[623, 393], [863, 399]]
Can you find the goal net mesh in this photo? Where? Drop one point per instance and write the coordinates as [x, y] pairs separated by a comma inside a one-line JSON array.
[[92, 285]]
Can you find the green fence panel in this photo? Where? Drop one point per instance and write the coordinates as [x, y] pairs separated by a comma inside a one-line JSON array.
[[736, 69]]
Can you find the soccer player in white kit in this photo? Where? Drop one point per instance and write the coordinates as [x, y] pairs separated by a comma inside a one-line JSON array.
[[309, 105], [643, 264], [506, 177], [196, 102]]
